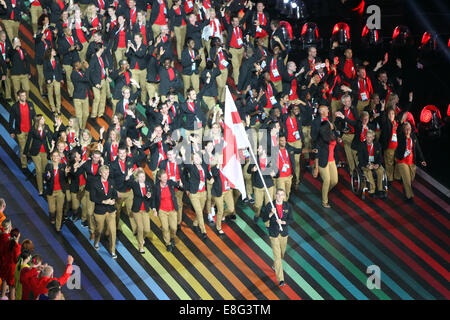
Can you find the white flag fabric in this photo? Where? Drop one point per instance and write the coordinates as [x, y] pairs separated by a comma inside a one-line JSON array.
[[235, 138]]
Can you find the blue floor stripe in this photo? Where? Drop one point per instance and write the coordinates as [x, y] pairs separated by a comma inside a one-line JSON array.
[[347, 245], [128, 257], [73, 241], [61, 252], [369, 245]]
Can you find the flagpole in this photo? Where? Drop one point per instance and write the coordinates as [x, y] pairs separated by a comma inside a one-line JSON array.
[[248, 144], [264, 183]]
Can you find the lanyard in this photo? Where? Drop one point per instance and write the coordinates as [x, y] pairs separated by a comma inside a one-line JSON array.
[[371, 149], [292, 123], [282, 158], [174, 169]]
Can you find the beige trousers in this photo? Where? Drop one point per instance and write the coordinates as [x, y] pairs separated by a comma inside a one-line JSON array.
[[142, 221], [278, 245], [68, 69], [81, 111], [260, 197], [236, 60], [22, 140], [108, 219], [54, 95], [198, 201], [408, 173], [227, 199], [40, 162], [98, 106], [55, 207], [329, 176], [168, 224]]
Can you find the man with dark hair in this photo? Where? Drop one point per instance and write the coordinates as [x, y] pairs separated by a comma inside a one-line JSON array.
[[97, 76], [68, 47]]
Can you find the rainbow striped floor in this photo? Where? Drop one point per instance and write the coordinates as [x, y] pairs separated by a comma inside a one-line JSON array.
[[327, 257]]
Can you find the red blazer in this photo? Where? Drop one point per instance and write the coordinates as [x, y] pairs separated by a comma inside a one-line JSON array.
[[38, 286], [9, 261], [26, 274]]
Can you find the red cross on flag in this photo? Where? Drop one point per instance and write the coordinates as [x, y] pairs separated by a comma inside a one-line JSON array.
[[235, 138]]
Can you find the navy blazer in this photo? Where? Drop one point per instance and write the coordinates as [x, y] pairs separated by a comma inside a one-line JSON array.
[[138, 197], [50, 73], [97, 195], [274, 227], [49, 178]]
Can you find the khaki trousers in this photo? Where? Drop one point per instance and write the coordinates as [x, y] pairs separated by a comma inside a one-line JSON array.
[[55, 207], [361, 105], [35, 12], [221, 83], [389, 163], [191, 81], [119, 54], [54, 88], [98, 106], [81, 111], [125, 198], [141, 77], [209, 101], [335, 106], [68, 70], [227, 199], [369, 175], [168, 224], [278, 85], [198, 201], [329, 176], [285, 183], [352, 161], [11, 28], [408, 173], [179, 196], [109, 219], [278, 245], [22, 140], [297, 144], [156, 28], [21, 81], [142, 221], [260, 196], [40, 162], [41, 78], [236, 60], [7, 83], [82, 52], [306, 130], [81, 197], [180, 35], [152, 90], [90, 213], [209, 198]]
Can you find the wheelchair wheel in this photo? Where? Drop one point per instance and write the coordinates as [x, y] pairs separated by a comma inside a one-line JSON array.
[[356, 181]]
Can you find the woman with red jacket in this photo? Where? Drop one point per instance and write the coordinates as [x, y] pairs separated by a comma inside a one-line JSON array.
[[10, 255]]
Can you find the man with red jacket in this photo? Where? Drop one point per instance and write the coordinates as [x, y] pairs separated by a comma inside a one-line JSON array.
[[38, 285], [28, 273]]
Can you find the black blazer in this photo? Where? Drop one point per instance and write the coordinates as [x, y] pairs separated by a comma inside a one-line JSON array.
[[152, 67], [154, 152], [323, 147], [95, 70], [19, 66], [216, 190], [81, 84], [138, 198], [195, 32], [256, 179], [157, 194], [274, 227], [165, 83], [86, 169], [50, 73], [386, 131], [98, 195], [187, 62], [155, 11], [49, 178], [175, 20], [191, 177], [189, 122], [118, 176], [56, 11], [68, 57], [148, 33], [75, 179], [139, 57], [120, 107], [40, 48], [15, 117], [120, 81], [401, 147], [35, 141], [363, 154], [115, 36]]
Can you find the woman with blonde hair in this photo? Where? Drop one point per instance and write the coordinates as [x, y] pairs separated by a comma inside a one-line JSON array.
[[142, 203], [111, 146], [79, 26]]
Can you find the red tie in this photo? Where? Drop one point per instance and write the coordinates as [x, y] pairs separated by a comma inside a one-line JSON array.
[[127, 77], [70, 40], [53, 64], [103, 67], [21, 53], [171, 74], [144, 34], [13, 4], [191, 106]]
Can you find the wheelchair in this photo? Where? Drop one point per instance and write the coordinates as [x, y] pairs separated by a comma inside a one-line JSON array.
[[360, 183]]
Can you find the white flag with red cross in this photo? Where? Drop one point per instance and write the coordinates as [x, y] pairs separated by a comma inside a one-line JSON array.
[[235, 138]]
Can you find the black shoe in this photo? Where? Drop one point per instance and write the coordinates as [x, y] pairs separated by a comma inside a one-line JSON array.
[[233, 217], [75, 218], [178, 228], [172, 242], [410, 200], [246, 200], [255, 219], [252, 201], [204, 236], [169, 248], [85, 224], [196, 229], [281, 284]]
